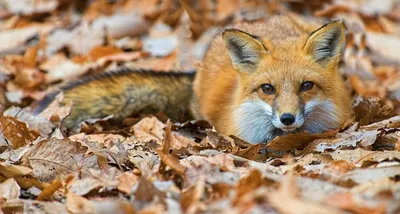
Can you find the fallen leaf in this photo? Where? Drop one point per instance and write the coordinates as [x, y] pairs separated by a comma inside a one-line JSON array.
[[191, 197], [371, 110], [33, 122], [16, 132], [358, 156], [86, 185], [160, 45], [29, 7], [298, 140], [292, 202], [248, 184], [250, 152], [393, 122], [9, 189], [149, 129], [146, 191], [17, 206], [348, 202], [51, 159], [346, 140], [361, 176], [66, 71], [143, 158], [101, 51], [78, 204], [16, 38], [166, 156], [23, 175], [127, 181]]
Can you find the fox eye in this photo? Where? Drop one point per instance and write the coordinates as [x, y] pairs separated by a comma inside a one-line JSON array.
[[306, 86], [268, 89]]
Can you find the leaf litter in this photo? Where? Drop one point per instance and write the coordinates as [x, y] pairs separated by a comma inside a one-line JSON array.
[[148, 164]]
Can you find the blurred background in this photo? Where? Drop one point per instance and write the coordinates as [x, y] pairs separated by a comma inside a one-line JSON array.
[[45, 43]]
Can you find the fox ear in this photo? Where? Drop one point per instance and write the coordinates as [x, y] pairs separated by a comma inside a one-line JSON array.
[[245, 50], [325, 44]]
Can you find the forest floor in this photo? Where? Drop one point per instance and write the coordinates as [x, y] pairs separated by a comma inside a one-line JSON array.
[[151, 165]]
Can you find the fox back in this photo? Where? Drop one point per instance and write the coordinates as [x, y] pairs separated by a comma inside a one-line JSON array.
[[262, 80]]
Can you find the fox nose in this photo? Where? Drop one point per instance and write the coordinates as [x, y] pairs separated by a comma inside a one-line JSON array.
[[287, 119]]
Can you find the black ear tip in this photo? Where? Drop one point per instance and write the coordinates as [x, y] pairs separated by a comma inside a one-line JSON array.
[[231, 30], [228, 31]]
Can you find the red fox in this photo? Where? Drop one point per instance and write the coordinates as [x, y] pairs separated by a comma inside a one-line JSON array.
[[257, 81]]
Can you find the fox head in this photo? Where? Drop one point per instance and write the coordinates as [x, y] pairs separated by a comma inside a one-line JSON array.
[[290, 86]]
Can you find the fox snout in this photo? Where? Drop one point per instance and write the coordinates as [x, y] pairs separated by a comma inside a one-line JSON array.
[[288, 121]]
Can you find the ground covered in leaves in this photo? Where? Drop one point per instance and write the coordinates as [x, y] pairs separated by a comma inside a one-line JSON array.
[[148, 164]]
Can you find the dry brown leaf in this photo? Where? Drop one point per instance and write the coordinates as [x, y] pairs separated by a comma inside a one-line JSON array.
[[127, 181], [30, 56], [161, 41], [332, 10], [51, 159], [120, 25], [191, 197], [80, 40], [113, 206], [95, 142], [86, 185], [9, 189], [78, 204], [293, 203], [219, 142], [30, 7], [14, 39], [66, 71], [298, 140], [335, 170], [149, 129], [29, 78], [179, 141], [167, 63], [225, 161], [101, 51], [121, 57], [147, 192], [23, 175], [368, 88], [143, 158], [16, 132], [348, 202], [393, 122], [358, 156], [346, 140], [249, 184], [386, 187], [361, 176], [166, 154], [33, 122], [20, 206], [250, 152], [371, 110], [383, 48]]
